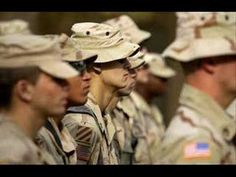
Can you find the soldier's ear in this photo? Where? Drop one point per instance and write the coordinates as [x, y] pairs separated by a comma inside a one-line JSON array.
[[23, 90], [209, 65], [97, 68]]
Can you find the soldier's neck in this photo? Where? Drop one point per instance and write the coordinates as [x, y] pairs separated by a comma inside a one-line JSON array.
[[102, 93], [211, 88]]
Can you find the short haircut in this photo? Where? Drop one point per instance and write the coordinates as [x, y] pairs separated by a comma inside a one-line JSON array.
[[10, 76]]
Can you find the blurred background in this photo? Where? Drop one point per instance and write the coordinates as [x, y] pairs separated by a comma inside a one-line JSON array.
[[160, 24]]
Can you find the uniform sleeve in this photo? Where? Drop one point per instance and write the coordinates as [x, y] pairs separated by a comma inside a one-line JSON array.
[[141, 152], [84, 133], [14, 151], [191, 151]]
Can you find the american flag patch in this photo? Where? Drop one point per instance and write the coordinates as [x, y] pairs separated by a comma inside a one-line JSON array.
[[83, 152], [197, 150]]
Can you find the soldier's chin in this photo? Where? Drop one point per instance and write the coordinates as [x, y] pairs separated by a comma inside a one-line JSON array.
[[59, 112]]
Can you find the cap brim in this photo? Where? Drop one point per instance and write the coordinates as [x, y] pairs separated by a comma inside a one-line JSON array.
[[136, 63], [139, 54], [123, 50], [58, 69], [139, 36], [87, 55], [165, 72], [80, 56], [189, 50]]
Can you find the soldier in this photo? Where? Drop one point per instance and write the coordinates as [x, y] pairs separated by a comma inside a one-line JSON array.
[[151, 82], [200, 131], [54, 136], [129, 29], [123, 121], [126, 105], [14, 27], [33, 87], [91, 125]]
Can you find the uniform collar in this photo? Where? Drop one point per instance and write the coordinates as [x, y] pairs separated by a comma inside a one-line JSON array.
[[64, 135], [209, 109], [92, 103], [140, 102], [125, 104], [104, 121]]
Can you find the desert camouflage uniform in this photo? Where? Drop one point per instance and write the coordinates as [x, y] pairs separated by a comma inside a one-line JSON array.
[[93, 135], [123, 117], [17, 148], [154, 127], [62, 149], [231, 110], [199, 123]]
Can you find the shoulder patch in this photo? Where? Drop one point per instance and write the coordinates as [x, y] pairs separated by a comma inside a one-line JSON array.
[[197, 150], [83, 137], [83, 152], [84, 134]]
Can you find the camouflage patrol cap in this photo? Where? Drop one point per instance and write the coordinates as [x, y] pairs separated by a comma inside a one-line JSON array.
[[203, 34], [136, 63], [18, 50], [104, 40], [157, 65], [14, 26], [70, 52], [129, 29], [137, 60]]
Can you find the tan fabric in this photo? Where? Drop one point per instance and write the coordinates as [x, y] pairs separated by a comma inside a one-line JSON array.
[[137, 60], [70, 52], [19, 50], [136, 63], [154, 127], [203, 34], [17, 148], [94, 137], [141, 152], [231, 110], [158, 117], [16, 26], [104, 40], [123, 118], [47, 142], [157, 65], [129, 28], [200, 132]]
